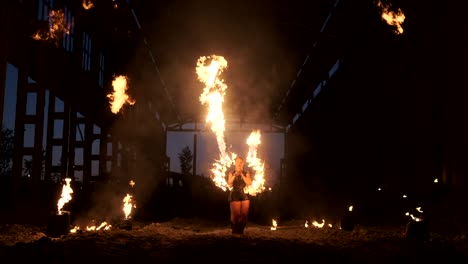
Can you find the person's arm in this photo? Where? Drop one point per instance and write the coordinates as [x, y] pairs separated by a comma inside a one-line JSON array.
[[246, 177], [230, 180]]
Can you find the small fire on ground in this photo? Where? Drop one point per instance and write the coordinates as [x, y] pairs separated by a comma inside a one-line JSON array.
[[128, 204]]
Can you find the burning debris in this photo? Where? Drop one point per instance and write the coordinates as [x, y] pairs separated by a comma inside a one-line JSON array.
[[103, 226], [118, 98], [87, 4], [392, 18], [274, 224], [417, 228], [317, 224], [57, 28], [213, 95]]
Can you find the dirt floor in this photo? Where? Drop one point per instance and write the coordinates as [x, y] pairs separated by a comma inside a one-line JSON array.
[[196, 240]]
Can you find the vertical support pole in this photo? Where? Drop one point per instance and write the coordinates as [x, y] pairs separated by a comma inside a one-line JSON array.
[[194, 154], [87, 149], [38, 157], [50, 134]]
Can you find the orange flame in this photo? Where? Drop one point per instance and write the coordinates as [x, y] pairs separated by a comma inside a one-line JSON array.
[[213, 95], [87, 4], [274, 224], [127, 207], [57, 27], [319, 225], [258, 166], [119, 97], [66, 195], [392, 18]]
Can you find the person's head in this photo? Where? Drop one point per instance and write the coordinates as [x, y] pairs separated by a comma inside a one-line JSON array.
[[239, 163]]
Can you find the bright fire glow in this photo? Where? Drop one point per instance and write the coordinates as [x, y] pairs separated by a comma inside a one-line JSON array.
[[119, 97], [419, 209], [306, 224], [256, 164], [74, 229], [66, 195], [392, 18], [319, 225], [127, 207], [436, 180], [350, 208], [413, 217], [213, 96], [102, 226], [274, 225], [57, 27], [87, 4]]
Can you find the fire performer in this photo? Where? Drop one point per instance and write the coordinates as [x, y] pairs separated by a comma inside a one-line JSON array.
[[239, 200]]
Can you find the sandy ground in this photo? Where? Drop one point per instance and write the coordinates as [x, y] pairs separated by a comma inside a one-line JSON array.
[[195, 240]]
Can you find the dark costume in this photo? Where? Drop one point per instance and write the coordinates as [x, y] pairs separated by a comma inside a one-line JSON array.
[[237, 194]]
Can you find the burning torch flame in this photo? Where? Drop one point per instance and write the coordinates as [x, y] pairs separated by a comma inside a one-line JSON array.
[[350, 208], [57, 27], [66, 195], [127, 208], [119, 97], [274, 224], [392, 18], [257, 184], [436, 180], [319, 225], [87, 4], [131, 183], [306, 224]]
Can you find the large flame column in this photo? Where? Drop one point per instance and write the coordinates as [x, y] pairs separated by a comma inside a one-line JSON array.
[[213, 96]]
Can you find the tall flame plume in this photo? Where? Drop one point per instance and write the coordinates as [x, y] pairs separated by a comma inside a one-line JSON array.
[[65, 196], [213, 96]]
